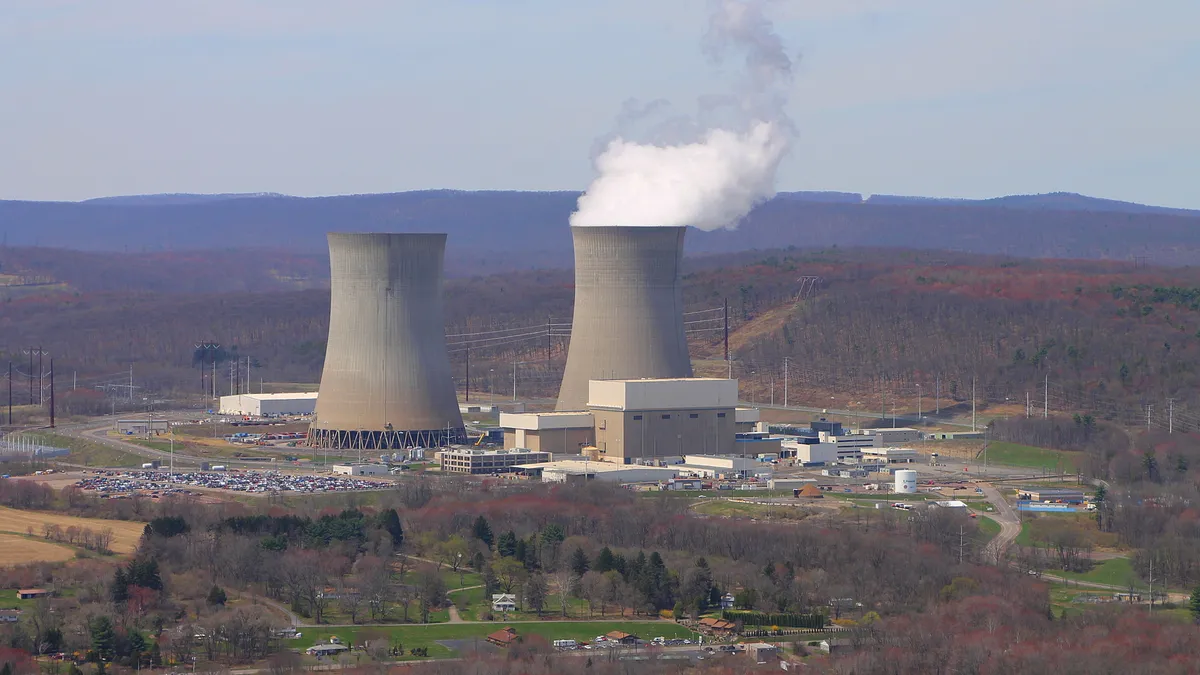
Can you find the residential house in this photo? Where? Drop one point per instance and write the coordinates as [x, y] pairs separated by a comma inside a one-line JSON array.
[[10, 615], [504, 602], [727, 601]]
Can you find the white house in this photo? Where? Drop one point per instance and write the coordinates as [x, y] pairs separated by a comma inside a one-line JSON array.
[[504, 602], [326, 650], [727, 601]]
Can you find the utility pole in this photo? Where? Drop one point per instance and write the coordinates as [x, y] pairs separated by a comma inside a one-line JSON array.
[[937, 395], [728, 363], [918, 405], [10, 393], [972, 403], [1026, 405], [52, 393], [548, 329], [1148, 417], [41, 375], [31, 376], [514, 377], [785, 381], [1046, 398], [468, 387], [1151, 584], [1170, 416], [131, 383]]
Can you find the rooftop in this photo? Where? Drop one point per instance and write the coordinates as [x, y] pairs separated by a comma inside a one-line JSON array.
[[579, 466], [280, 396]]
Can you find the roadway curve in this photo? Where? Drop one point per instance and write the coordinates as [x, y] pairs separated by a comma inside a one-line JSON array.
[[1009, 520]]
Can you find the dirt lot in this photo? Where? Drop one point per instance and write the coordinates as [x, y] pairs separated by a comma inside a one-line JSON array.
[[125, 533], [16, 550]]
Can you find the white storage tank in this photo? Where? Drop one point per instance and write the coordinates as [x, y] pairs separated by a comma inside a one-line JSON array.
[[906, 481]]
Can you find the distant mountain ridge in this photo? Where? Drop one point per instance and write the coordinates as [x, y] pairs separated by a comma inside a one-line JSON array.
[[494, 230], [176, 198]]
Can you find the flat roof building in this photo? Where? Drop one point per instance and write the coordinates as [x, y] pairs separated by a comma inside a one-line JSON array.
[[554, 432], [265, 405], [578, 471], [477, 462], [360, 469], [639, 421], [1045, 494], [889, 455]]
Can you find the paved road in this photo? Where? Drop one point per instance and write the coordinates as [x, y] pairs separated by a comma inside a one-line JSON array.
[[1009, 520]]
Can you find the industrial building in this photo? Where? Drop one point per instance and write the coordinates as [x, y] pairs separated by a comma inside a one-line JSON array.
[[628, 319], [822, 453], [558, 432], [708, 466], [360, 469], [269, 405], [640, 421], [137, 427], [386, 382], [891, 436], [889, 455], [576, 471], [1051, 494], [476, 461], [646, 419]]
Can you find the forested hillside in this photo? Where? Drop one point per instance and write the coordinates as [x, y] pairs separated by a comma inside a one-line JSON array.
[[867, 324]]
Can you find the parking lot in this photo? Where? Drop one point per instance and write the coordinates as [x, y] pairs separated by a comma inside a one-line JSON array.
[[125, 482]]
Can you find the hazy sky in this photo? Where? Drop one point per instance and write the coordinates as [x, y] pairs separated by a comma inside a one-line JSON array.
[[969, 98]]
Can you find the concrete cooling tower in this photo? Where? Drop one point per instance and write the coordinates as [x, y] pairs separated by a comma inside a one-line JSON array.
[[387, 381], [628, 309]]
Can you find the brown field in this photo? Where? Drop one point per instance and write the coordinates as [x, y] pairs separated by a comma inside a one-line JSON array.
[[17, 550], [125, 533]]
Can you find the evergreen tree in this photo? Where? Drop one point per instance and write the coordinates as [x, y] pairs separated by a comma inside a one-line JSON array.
[[604, 561], [118, 591], [389, 520], [1194, 605], [101, 630], [483, 531], [579, 562], [216, 596], [478, 561], [506, 545]]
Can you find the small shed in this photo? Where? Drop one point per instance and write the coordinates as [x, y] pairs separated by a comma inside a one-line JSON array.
[[32, 593]]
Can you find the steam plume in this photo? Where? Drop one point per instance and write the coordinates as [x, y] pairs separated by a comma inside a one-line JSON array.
[[714, 179]]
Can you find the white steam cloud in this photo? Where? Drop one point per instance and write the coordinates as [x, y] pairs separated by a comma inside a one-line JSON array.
[[714, 179]]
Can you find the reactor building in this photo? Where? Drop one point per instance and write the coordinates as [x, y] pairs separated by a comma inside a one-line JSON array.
[[387, 381], [628, 320]]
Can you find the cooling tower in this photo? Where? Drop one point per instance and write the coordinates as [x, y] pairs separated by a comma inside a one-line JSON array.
[[628, 309], [386, 382]]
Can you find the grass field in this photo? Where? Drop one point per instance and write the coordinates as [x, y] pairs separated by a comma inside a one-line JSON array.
[[18, 550], [88, 452], [428, 635], [988, 528], [1014, 454], [1114, 572], [877, 496], [746, 510], [126, 534]]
